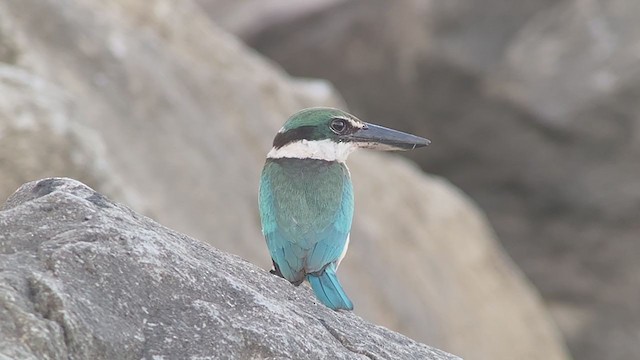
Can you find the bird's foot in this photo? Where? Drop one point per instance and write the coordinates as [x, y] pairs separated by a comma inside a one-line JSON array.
[[276, 272]]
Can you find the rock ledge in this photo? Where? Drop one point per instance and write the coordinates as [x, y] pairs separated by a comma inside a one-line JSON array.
[[82, 277]]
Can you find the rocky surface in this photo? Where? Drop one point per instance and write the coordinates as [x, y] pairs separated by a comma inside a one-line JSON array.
[[39, 138], [532, 106], [185, 115], [86, 278]]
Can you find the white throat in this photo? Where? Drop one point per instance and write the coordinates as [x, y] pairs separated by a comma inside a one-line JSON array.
[[314, 149]]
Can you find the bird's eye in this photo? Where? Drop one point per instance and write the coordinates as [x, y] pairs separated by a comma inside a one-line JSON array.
[[338, 126]]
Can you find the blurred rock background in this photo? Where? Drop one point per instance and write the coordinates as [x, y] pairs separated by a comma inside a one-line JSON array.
[[530, 105], [533, 109]]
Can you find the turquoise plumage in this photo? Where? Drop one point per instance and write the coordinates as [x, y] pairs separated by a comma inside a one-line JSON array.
[[307, 208]]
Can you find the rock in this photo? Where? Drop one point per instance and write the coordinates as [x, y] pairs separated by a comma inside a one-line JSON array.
[[470, 34], [573, 45], [38, 137], [31, 109], [574, 66], [86, 278], [186, 114], [250, 17]]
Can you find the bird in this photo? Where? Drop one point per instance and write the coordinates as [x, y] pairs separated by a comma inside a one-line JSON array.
[[306, 200]]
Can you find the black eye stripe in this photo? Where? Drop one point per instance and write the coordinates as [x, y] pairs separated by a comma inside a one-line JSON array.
[[301, 133]]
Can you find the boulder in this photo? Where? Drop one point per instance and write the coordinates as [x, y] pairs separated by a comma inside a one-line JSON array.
[[575, 67], [250, 17], [39, 138], [86, 278]]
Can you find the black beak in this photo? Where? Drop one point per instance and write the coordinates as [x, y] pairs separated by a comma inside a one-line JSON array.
[[381, 138]]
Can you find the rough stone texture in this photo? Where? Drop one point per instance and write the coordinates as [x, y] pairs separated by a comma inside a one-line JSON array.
[[186, 115], [86, 278], [532, 108], [38, 139]]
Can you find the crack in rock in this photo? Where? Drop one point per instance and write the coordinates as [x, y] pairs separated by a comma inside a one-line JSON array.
[[344, 342], [49, 305]]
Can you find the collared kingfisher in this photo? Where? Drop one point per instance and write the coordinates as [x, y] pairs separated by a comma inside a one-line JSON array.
[[306, 197]]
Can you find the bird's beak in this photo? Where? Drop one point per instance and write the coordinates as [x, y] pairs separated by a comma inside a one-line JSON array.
[[381, 138]]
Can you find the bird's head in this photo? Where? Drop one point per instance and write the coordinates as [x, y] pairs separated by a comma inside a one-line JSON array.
[[331, 134]]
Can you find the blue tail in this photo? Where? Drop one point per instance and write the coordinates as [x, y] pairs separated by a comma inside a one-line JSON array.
[[328, 289]]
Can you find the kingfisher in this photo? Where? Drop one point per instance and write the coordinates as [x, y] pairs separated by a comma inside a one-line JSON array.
[[306, 196]]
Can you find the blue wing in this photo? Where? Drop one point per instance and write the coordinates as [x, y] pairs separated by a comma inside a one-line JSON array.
[[306, 215]]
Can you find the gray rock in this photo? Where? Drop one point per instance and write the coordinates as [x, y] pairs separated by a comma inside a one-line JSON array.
[[86, 278], [39, 137], [250, 17], [470, 34], [575, 66], [588, 46]]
